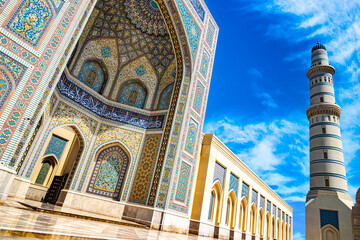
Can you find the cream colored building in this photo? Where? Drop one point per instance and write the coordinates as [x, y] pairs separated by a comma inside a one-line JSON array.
[[231, 201]]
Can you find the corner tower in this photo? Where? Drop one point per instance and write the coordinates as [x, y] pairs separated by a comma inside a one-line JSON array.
[[328, 204]]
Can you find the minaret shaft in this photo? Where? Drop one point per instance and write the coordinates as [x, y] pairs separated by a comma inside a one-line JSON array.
[[328, 197]]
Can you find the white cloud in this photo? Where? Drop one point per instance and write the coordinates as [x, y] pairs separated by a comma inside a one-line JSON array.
[[299, 236], [321, 19], [255, 72], [267, 100], [267, 147]]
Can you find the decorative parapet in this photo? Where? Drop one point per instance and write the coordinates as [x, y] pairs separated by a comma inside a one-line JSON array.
[[330, 109], [320, 69]]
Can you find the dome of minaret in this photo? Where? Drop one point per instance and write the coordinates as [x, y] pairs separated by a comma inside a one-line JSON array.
[[358, 196], [318, 46]]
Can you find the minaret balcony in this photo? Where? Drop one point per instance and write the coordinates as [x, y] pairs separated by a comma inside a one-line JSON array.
[[323, 108], [320, 69]]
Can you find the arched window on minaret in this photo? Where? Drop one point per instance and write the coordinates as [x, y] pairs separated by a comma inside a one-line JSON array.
[[321, 99], [327, 182], [325, 155], [323, 129]]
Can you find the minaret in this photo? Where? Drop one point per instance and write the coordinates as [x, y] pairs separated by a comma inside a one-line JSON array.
[[328, 204]]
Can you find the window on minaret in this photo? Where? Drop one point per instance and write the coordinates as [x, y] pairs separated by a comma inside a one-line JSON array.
[[323, 129], [325, 155], [322, 118], [321, 99], [327, 182]]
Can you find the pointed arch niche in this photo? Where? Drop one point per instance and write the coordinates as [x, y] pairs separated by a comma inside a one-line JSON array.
[[133, 93], [328, 232], [111, 166], [94, 75], [60, 156]]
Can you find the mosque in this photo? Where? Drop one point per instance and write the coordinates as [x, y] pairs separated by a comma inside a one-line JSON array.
[[102, 106]]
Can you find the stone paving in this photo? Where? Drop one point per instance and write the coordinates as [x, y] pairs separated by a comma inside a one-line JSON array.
[[21, 223]]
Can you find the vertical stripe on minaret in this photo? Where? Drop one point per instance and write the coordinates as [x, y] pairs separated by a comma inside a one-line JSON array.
[[327, 169]]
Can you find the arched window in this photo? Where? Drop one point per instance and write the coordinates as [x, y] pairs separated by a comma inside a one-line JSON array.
[[273, 229], [242, 221], [133, 93], [279, 230], [212, 205], [46, 165], [253, 220], [327, 182], [94, 75], [321, 99], [109, 172], [261, 223], [325, 155], [323, 129], [268, 226], [228, 210]]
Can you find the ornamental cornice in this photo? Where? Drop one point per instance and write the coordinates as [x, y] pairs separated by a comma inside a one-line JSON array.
[[329, 109], [320, 69]]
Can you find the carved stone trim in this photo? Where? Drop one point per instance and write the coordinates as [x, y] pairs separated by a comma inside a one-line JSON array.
[[320, 69], [329, 109]]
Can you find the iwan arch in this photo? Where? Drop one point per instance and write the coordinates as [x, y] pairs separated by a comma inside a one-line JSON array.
[[102, 109]]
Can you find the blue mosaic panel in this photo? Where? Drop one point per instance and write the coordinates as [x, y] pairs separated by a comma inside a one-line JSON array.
[[234, 182], [192, 30], [274, 210], [166, 97], [290, 221], [283, 216], [268, 206], [56, 146], [329, 217], [211, 205], [204, 63], [219, 174], [198, 8], [30, 20], [191, 136], [200, 89], [182, 186], [92, 75], [96, 106], [245, 191], [286, 218], [279, 213], [109, 172], [262, 202], [210, 34], [133, 94], [43, 172]]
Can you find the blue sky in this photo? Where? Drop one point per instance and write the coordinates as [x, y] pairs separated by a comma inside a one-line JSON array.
[[259, 90]]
